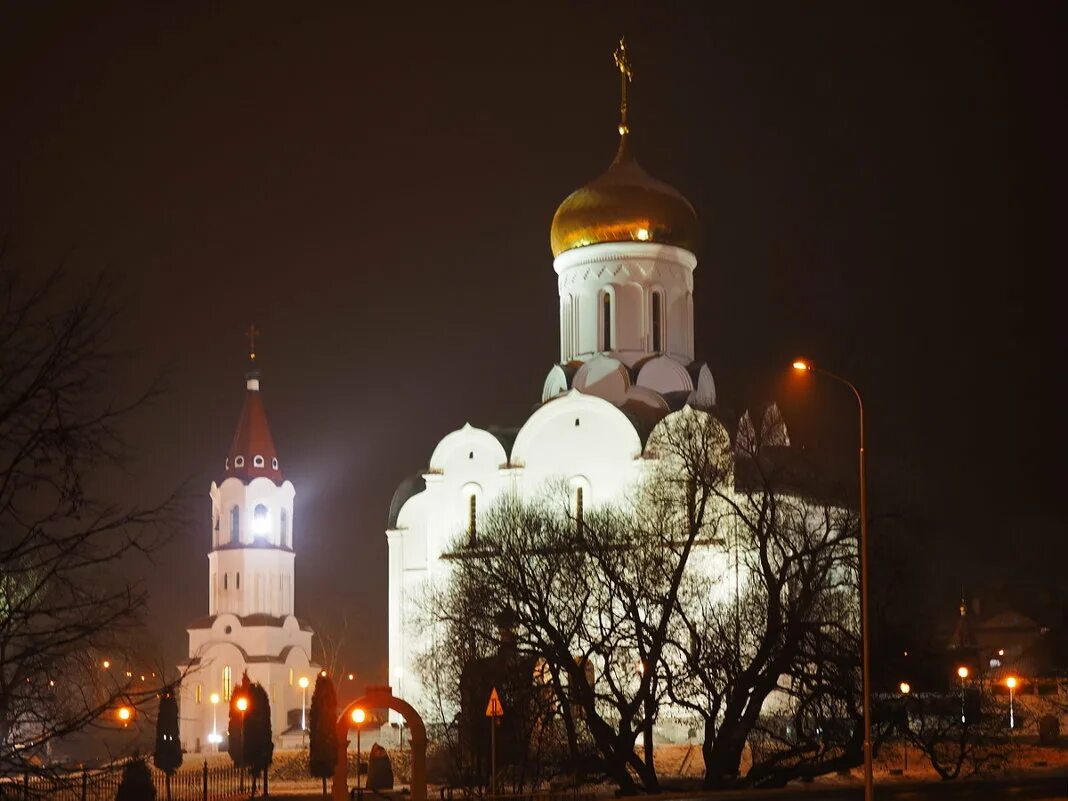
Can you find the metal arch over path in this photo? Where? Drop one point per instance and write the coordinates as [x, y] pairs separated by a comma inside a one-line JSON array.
[[381, 698]]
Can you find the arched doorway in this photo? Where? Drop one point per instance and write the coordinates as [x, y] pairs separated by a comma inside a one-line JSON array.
[[381, 698]]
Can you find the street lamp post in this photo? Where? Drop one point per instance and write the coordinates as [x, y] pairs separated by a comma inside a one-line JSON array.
[[215, 738], [303, 704], [905, 690], [865, 659], [358, 717], [962, 671], [242, 706], [1010, 682]]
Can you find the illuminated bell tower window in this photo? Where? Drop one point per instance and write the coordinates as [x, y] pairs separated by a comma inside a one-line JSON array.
[[261, 524]]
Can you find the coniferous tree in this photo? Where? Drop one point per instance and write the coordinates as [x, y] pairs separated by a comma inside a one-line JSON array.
[[136, 782], [168, 753], [258, 745], [235, 733], [322, 730]]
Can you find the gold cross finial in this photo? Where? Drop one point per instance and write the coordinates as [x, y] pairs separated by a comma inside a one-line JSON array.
[[626, 75], [252, 333]]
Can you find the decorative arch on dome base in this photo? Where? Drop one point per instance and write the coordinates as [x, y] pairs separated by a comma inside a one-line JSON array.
[[381, 698]]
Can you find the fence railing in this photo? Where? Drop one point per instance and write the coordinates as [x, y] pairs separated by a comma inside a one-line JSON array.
[[188, 784]]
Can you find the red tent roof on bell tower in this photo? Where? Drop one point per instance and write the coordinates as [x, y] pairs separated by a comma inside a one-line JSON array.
[[252, 453]]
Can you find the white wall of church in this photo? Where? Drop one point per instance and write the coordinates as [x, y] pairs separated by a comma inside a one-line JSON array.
[[250, 581], [630, 274], [601, 453]]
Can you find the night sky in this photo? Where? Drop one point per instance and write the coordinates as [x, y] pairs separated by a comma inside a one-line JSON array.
[[880, 188]]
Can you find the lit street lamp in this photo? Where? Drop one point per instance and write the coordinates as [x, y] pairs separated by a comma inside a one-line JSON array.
[[215, 739], [242, 706], [905, 690], [865, 660], [303, 702], [962, 671], [124, 714], [358, 717], [1010, 682]]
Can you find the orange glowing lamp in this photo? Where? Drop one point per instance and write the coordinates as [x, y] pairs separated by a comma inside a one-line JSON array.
[[802, 364], [124, 713], [905, 688], [241, 703], [358, 716], [962, 672], [1011, 682]]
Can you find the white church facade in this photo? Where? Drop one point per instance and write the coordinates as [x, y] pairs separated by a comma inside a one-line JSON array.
[[623, 248], [250, 626]]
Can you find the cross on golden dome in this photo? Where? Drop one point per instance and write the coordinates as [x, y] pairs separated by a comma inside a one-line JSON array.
[[252, 333], [626, 75]]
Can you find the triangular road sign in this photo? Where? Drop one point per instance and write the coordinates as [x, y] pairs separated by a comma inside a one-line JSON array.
[[494, 708]]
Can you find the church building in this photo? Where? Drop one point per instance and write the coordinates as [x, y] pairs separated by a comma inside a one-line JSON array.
[[250, 625], [623, 248]]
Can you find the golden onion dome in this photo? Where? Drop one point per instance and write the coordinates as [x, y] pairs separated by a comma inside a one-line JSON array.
[[624, 204]]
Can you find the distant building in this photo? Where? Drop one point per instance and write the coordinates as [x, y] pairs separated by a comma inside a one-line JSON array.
[[1004, 641], [1007, 643], [250, 625]]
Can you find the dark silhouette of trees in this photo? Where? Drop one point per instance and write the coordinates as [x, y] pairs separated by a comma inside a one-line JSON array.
[[168, 754], [235, 730], [66, 602], [136, 784], [960, 732], [774, 660], [257, 742], [322, 730]]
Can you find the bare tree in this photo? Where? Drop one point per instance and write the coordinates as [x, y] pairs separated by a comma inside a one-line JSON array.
[[723, 587], [66, 604], [593, 593], [331, 636], [765, 649], [961, 733]]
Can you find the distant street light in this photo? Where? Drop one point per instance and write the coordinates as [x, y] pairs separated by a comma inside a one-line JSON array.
[[215, 738], [124, 714], [303, 703], [806, 366], [905, 690], [962, 671], [1010, 682], [358, 717]]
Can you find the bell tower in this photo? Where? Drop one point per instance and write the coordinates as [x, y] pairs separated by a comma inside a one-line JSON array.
[[251, 626], [251, 559]]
